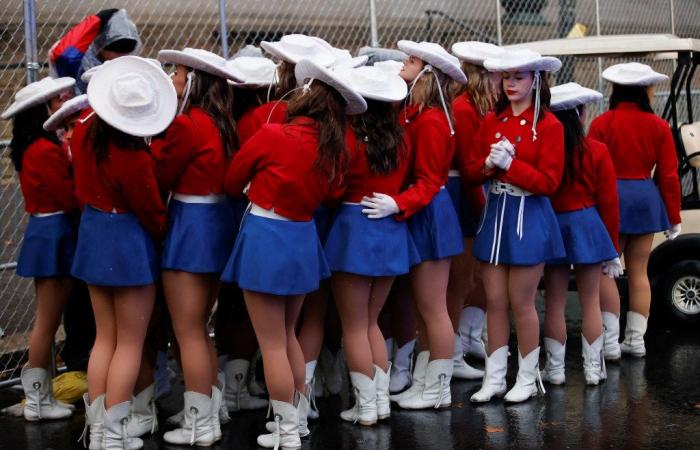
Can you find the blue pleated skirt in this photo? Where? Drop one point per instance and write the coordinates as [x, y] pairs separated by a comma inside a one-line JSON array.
[[276, 257], [114, 250], [323, 217], [642, 210], [435, 229], [48, 246], [369, 247], [467, 221], [541, 239], [585, 237], [200, 236]]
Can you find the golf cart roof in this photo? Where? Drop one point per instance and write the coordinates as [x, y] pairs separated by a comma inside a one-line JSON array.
[[664, 46]]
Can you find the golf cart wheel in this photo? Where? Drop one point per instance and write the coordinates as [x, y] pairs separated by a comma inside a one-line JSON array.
[[680, 291]]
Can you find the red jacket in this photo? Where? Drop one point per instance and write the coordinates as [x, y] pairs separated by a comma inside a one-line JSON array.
[[537, 166], [270, 112], [46, 178], [280, 164], [592, 184], [640, 142], [433, 150], [467, 123], [124, 182], [246, 126], [190, 159], [361, 181]]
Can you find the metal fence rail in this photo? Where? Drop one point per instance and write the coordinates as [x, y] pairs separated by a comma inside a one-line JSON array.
[[28, 28]]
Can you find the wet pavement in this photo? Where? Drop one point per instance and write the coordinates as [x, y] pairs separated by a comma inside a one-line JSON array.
[[645, 403]]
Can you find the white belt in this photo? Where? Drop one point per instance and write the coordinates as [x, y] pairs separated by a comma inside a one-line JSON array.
[[351, 203], [211, 198], [453, 173], [503, 190], [49, 214], [259, 211]]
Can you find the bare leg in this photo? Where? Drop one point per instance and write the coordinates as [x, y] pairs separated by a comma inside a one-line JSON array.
[[429, 285], [609, 295], [351, 293], [557, 286], [460, 284], [522, 288], [380, 291], [102, 300], [313, 322], [51, 298], [495, 280], [636, 254], [133, 307], [294, 352], [588, 282]]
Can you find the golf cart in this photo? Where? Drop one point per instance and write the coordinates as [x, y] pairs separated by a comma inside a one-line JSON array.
[[674, 266]]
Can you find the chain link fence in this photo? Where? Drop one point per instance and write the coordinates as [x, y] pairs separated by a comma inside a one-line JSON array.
[[223, 26]]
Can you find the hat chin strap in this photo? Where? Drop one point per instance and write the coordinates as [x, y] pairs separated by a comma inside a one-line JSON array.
[[536, 85], [188, 88], [275, 78], [429, 68], [305, 88]]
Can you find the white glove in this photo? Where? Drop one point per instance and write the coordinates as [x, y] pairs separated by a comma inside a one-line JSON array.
[[506, 145], [379, 206], [500, 157], [613, 268], [673, 232]]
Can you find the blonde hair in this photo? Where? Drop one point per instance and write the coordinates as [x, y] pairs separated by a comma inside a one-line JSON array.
[[479, 87], [426, 91]]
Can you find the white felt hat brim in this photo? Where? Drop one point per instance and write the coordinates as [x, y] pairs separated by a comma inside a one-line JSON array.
[[261, 79], [522, 61], [393, 89], [69, 108], [475, 52], [146, 124], [49, 88], [322, 56], [194, 61], [446, 63], [306, 69], [572, 95], [619, 74]]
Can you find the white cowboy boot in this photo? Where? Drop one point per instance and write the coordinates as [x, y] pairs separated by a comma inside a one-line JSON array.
[[418, 378], [634, 335], [553, 372], [611, 326], [303, 405], [401, 367], [460, 368], [365, 409], [436, 391], [236, 394], [94, 421], [471, 327], [286, 433], [38, 391], [494, 384], [381, 381], [143, 417], [528, 382], [219, 412], [199, 422], [593, 360], [114, 434], [310, 382]]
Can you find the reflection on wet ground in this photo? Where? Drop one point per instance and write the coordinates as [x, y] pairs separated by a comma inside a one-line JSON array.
[[645, 403]]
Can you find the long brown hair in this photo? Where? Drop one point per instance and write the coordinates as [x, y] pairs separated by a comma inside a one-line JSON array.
[[245, 99], [426, 91], [101, 134], [545, 96], [286, 80], [479, 88], [27, 127], [326, 106], [215, 96], [385, 137]]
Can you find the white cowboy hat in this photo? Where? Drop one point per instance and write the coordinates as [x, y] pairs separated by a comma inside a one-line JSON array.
[[306, 69], [252, 71], [87, 75], [36, 93], [571, 95], [70, 107], [198, 59], [522, 60], [633, 74], [344, 59], [476, 52], [295, 47], [134, 96], [436, 56], [374, 83], [389, 66]]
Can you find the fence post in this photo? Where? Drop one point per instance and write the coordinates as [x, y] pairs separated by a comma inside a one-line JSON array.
[[373, 35], [30, 46], [223, 29], [499, 25], [601, 103], [673, 16]]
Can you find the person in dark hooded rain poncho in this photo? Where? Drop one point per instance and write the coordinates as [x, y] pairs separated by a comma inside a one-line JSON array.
[[104, 36]]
